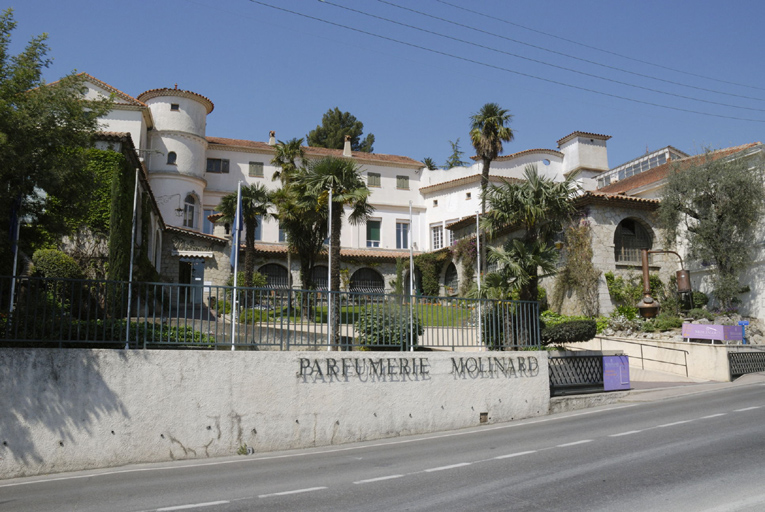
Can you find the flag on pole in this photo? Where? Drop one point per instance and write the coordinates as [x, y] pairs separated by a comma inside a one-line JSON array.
[[236, 228]]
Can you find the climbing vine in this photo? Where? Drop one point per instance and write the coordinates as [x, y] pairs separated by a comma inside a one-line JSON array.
[[578, 274], [429, 264]]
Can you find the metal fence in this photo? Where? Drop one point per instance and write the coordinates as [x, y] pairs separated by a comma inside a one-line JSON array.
[[576, 373], [87, 313], [742, 363]]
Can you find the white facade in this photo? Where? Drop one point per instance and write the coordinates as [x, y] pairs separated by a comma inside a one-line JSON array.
[[190, 172]]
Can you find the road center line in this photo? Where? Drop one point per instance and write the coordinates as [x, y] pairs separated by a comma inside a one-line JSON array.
[[378, 479], [510, 455], [193, 505], [630, 432], [583, 441], [747, 408], [443, 468], [713, 416], [296, 491], [673, 424]]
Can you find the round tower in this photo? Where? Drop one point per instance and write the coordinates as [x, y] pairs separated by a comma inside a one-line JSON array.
[[176, 158]]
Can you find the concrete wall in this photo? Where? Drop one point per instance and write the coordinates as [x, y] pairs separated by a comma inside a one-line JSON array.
[[704, 361], [67, 410]]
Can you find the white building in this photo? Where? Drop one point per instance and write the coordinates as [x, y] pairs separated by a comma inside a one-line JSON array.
[[190, 171]]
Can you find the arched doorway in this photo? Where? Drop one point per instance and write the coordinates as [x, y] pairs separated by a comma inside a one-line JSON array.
[[367, 280], [276, 275], [451, 280], [630, 238]]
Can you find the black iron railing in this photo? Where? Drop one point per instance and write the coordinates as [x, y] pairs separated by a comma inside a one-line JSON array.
[[80, 313]]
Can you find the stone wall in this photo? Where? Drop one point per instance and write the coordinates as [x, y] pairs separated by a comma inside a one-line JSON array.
[[66, 410]]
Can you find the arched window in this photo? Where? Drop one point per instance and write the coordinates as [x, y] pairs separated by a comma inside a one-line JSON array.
[[367, 280], [451, 280], [171, 156], [189, 211], [276, 275], [629, 239], [319, 277]]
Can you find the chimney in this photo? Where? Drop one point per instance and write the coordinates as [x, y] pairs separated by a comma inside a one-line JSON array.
[[272, 138], [347, 146]]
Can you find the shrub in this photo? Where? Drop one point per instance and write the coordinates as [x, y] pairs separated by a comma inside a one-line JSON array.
[[569, 332], [700, 299], [258, 280], [666, 322], [697, 313], [53, 263], [387, 326]]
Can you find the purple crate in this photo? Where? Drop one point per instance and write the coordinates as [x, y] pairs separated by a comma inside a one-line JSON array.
[[616, 373]]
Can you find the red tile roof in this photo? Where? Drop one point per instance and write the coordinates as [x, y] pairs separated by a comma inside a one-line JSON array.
[[473, 178], [166, 91], [659, 173], [197, 234], [616, 200], [522, 153], [582, 134], [381, 254], [319, 152], [112, 89]]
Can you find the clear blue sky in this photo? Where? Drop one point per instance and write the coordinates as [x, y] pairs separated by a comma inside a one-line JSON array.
[[268, 69]]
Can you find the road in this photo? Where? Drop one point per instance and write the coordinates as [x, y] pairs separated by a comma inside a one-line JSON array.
[[703, 451]]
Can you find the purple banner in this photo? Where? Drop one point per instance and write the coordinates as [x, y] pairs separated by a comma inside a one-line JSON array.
[[616, 373], [713, 332]]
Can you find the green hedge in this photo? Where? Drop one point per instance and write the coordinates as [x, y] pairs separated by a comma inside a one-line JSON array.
[[569, 332]]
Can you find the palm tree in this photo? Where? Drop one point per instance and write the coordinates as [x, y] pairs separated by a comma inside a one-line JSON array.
[[256, 200], [343, 177], [488, 129], [538, 207], [285, 157], [429, 163]]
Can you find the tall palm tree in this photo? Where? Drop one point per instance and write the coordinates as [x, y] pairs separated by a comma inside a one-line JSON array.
[[488, 129], [538, 207], [256, 200], [343, 177]]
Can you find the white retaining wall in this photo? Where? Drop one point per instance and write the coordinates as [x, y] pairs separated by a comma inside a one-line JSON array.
[[65, 410]]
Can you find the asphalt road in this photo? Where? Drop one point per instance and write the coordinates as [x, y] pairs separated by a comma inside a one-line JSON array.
[[704, 451]]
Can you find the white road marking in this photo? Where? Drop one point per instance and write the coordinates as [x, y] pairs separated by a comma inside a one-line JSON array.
[[296, 491], [673, 424], [747, 408], [515, 455], [378, 479], [583, 441], [443, 468], [713, 416], [193, 505], [626, 433], [242, 460]]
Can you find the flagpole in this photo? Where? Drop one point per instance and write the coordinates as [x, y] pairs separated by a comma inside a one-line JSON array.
[[15, 262], [478, 255], [411, 282], [132, 254], [235, 249], [329, 276]]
